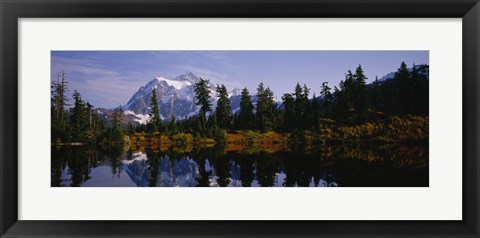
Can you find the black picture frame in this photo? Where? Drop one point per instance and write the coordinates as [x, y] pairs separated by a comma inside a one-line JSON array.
[[11, 11]]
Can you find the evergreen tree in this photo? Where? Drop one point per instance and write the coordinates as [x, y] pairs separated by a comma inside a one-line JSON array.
[[302, 106], [155, 119], [265, 108], [98, 126], [59, 120], [402, 72], [202, 94], [327, 98], [59, 98], [289, 111], [347, 88], [90, 134], [337, 102], [419, 101], [401, 91], [89, 108], [116, 130], [352, 90], [299, 102], [375, 95], [307, 117], [360, 97], [412, 102], [315, 113], [172, 128], [246, 116], [78, 118], [223, 111]]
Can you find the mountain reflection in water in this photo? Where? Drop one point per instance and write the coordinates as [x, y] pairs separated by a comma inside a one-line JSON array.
[[240, 166]]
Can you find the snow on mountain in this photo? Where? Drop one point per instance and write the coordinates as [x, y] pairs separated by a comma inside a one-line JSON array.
[[188, 77], [235, 92], [140, 118], [182, 172], [174, 83], [176, 97], [137, 169]]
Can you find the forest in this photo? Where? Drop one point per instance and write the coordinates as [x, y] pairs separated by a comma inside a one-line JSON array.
[[354, 112]]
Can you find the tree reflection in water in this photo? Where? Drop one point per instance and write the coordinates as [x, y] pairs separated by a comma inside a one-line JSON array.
[[241, 166]]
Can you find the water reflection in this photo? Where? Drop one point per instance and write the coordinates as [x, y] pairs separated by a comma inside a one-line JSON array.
[[241, 166]]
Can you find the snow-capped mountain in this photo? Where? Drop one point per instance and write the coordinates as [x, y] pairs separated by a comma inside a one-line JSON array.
[[175, 97], [182, 172]]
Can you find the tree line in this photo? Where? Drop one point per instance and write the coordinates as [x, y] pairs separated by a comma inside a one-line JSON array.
[[353, 102], [79, 123]]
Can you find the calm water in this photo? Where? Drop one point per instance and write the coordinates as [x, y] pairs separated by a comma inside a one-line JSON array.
[[238, 166]]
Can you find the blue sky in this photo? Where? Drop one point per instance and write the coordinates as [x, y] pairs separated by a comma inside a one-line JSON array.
[[109, 78]]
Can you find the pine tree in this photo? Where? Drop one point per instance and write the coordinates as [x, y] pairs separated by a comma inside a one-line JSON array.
[[265, 108], [155, 119], [307, 117], [299, 102], [172, 128], [289, 111], [302, 106], [402, 94], [59, 120], [348, 90], [116, 130], [337, 105], [202, 94], [345, 99], [273, 111], [59, 97], [90, 134], [327, 98], [376, 101], [419, 101], [246, 116], [223, 111], [360, 97], [78, 119], [315, 113], [412, 101], [88, 108]]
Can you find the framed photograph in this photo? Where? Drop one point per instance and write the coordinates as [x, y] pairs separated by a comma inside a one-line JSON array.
[[228, 118]]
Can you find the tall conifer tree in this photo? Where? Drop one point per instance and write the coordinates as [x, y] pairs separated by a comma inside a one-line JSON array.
[[246, 115], [155, 119], [202, 94], [78, 118], [265, 108], [360, 97], [223, 111]]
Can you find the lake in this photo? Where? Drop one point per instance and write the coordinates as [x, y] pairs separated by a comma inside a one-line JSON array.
[[241, 166]]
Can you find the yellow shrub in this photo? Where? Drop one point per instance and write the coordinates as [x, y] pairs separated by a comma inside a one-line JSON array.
[[182, 138]]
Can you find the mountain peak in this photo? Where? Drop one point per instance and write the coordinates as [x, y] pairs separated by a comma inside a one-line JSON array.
[[189, 77], [235, 92], [158, 79], [175, 96]]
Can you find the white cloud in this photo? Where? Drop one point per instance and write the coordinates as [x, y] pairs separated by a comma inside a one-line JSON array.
[[101, 87]]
